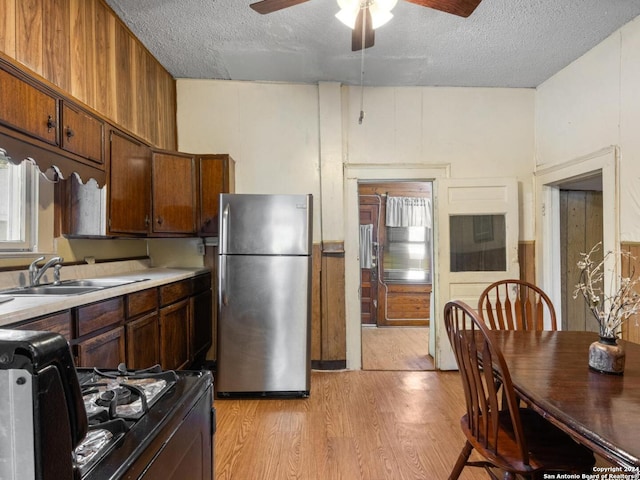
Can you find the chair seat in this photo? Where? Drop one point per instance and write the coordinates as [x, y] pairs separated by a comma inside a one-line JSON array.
[[550, 449]]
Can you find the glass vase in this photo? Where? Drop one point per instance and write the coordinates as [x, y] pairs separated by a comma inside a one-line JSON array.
[[607, 356]]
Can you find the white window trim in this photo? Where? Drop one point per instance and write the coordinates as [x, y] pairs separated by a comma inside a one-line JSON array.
[[25, 205]]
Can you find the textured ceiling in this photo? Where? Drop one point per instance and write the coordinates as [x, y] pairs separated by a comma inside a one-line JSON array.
[[504, 43]]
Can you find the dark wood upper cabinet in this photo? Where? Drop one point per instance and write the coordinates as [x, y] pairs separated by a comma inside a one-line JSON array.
[[173, 193], [130, 182], [217, 175], [82, 133], [28, 109]]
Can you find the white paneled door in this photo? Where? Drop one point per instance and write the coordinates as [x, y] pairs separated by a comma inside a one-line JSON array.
[[477, 244]]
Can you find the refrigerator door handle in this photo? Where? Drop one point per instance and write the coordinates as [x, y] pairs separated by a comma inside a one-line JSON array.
[[223, 281], [224, 241]]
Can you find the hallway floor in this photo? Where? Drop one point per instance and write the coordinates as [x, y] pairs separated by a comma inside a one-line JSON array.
[[396, 348]]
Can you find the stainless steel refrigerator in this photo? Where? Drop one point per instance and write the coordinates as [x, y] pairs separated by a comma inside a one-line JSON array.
[[264, 295]]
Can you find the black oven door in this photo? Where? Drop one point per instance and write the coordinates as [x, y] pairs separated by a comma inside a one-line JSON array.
[[37, 368]]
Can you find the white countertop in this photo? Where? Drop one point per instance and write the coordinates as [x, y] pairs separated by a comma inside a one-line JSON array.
[[28, 307]]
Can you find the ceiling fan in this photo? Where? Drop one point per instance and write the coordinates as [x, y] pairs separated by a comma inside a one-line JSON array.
[[363, 27]]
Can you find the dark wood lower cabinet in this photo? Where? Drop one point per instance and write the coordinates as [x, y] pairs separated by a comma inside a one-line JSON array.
[[170, 325], [174, 335], [201, 327], [105, 350], [143, 339]]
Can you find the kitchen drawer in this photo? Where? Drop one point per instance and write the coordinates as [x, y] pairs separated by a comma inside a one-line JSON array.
[[201, 283], [99, 315], [173, 292], [57, 323], [142, 302]]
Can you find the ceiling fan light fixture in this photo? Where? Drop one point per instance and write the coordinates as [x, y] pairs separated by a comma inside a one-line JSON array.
[[380, 11]]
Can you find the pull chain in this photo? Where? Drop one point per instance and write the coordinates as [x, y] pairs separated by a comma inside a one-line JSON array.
[[362, 71]]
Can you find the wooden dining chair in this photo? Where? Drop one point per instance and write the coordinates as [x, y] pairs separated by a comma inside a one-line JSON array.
[[515, 440], [516, 305]]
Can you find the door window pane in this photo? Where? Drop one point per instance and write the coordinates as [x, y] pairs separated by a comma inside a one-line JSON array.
[[478, 243]]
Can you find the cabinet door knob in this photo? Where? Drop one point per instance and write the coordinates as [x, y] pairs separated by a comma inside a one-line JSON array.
[[159, 220], [70, 132], [51, 123]]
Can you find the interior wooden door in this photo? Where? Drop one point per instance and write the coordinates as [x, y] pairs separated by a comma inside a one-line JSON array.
[[369, 276]]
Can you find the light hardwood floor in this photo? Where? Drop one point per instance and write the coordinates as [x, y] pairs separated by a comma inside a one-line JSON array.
[[356, 425], [396, 348]]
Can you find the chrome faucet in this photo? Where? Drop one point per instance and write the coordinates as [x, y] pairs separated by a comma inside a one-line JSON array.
[[35, 273]]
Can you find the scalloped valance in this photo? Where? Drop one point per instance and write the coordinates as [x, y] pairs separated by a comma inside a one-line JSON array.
[[17, 151]]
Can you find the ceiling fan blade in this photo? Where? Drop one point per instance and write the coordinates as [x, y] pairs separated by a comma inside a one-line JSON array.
[[462, 8], [358, 40], [268, 6]]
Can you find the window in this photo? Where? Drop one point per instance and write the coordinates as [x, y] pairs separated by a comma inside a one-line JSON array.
[[18, 205], [478, 243], [408, 254]]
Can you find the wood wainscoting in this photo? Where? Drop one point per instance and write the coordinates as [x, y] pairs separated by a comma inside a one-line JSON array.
[[631, 266], [328, 315], [527, 261]]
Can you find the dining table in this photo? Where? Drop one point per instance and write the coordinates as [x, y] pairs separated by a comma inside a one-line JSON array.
[[551, 374]]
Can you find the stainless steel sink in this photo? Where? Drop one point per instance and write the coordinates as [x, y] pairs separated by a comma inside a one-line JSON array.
[[71, 287], [50, 290], [99, 282]]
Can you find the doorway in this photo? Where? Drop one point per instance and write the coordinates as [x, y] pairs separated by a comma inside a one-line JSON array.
[[396, 264], [580, 229], [601, 167]]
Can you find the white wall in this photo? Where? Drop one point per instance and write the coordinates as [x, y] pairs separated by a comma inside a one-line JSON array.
[[479, 131], [594, 103], [274, 133]]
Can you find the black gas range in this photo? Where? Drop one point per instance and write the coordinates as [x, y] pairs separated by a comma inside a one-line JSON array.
[[93, 424]]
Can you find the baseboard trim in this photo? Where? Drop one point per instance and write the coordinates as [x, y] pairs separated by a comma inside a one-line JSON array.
[[328, 364]]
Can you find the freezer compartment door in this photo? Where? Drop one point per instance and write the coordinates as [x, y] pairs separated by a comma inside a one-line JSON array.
[[265, 224], [264, 324]]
